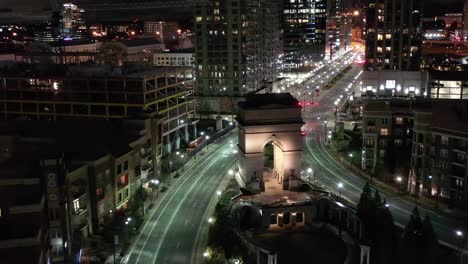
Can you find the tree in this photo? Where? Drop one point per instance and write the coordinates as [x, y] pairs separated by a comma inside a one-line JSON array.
[[113, 53], [378, 200], [454, 26], [366, 210], [413, 228], [216, 256], [427, 232], [221, 232], [365, 202], [413, 247], [385, 236]]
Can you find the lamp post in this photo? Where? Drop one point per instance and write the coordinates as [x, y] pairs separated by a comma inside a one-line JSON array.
[[460, 235], [340, 186], [399, 180], [156, 183], [309, 173], [325, 122], [115, 237]]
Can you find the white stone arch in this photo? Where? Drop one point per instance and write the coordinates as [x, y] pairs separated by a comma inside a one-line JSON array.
[[261, 122], [278, 149]]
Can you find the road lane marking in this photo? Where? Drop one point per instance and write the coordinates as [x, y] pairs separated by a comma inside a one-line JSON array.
[[197, 165], [175, 212], [194, 204], [186, 222], [178, 244], [398, 210]]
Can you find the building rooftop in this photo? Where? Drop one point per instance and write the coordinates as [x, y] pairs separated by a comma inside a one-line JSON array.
[[188, 51], [140, 42], [78, 140], [396, 105], [269, 101], [86, 70], [449, 75], [450, 115], [74, 42], [447, 114]]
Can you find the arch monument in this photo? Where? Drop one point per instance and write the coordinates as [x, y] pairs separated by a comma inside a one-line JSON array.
[[269, 119]]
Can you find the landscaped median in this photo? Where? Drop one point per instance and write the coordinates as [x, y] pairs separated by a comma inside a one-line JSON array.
[[340, 75]]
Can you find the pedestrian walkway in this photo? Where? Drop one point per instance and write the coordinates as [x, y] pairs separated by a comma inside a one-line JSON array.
[[274, 192], [422, 201]]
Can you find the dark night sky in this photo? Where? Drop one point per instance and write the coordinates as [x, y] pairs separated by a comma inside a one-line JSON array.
[[430, 7], [440, 7]]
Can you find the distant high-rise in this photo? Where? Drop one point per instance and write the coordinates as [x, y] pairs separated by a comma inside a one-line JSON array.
[[73, 25], [315, 29], [237, 47], [465, 19], [393, 37]]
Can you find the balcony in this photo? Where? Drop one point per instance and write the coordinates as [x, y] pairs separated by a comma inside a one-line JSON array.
[[457, 171], [459, 163], [146, 151]]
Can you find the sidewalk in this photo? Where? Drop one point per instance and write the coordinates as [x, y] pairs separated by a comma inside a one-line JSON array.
[[422, 201], [201, 240], [174, 183]]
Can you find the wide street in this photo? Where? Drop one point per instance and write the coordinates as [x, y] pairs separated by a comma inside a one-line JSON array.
[[170, 233], [329, 172]]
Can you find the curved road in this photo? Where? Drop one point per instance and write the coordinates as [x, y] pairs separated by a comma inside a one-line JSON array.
[[330, 172], [169, 235]]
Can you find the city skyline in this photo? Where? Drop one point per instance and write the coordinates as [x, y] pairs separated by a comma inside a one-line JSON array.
[[234, 132]]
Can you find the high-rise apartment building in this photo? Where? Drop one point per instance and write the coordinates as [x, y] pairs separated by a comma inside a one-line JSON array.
[[315, 29], [393, 37], [304, 30], [73, 25], [465, 19], [237, 47], [431, 134]]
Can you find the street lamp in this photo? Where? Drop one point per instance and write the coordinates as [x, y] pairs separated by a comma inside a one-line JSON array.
[[231, 172], [211, 220], [459, 234], [218, 193], [399, 180], [207, 138], [156, 182], [340, 186]]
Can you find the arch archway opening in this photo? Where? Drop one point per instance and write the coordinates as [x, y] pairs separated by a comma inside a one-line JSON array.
[[272, 166]]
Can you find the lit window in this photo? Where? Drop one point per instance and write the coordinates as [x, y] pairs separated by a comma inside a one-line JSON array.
[[0, 212], [390, 84], [399, 120], [384, 131], [444, 140], [443, 153], [76, 205]]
